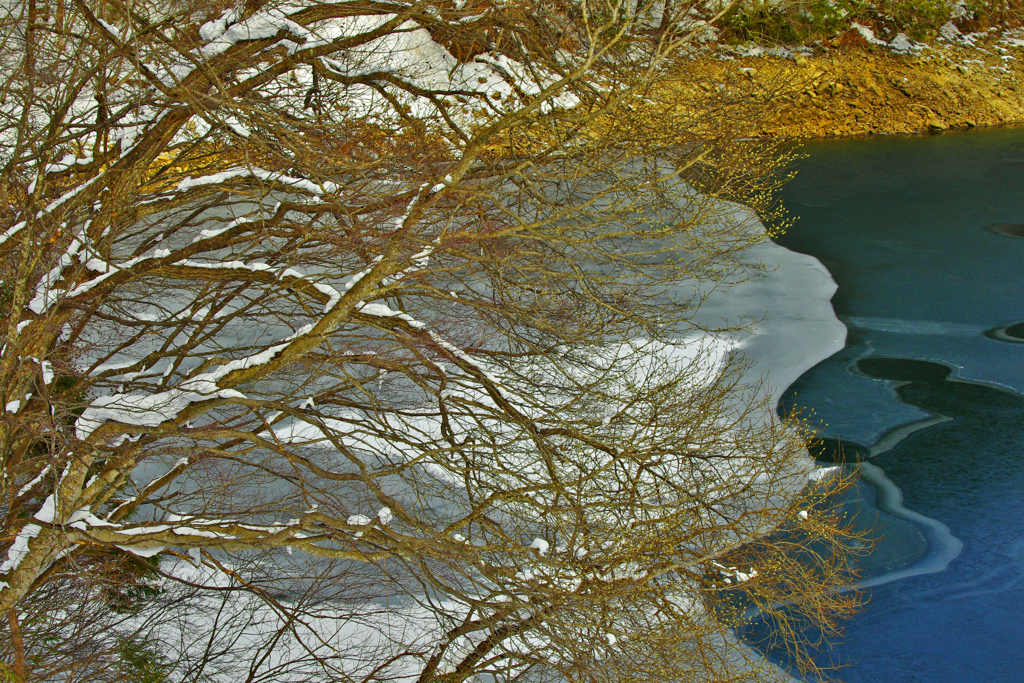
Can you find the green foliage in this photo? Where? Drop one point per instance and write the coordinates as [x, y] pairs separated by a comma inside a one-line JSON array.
[[133, 587], [984, 13], [140, 662], [7, 675], [795, 21], [917, 18], [804, 21]]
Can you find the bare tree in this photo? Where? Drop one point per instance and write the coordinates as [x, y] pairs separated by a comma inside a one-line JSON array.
[[372, 321]]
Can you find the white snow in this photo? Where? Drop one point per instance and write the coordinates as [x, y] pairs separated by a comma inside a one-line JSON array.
[[333, 296], [68, 161], [385, 311], [211, 233], [47, 369], [259, 174], [19, 549], [824, 473], [950, 32], [264, 24], [149, 551], [148, 409], [48, 511], [902, 44], [779, 51], [116, 32], [39, 477], [212, 30], [540, 545], [795, 326], [867, 34]]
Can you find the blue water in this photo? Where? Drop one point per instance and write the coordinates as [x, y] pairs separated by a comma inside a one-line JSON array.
[[920, 235]]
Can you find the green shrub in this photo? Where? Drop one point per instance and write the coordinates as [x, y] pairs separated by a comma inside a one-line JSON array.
[[917, 18], [142, 663], [804, 21], [797, 21], [982, 14]]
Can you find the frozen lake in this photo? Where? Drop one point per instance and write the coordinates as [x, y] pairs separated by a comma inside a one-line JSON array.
[[924, 239]]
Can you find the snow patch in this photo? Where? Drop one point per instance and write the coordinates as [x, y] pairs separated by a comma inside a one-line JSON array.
[[149, 410], [19, 549], [824, 473], [260, 174]]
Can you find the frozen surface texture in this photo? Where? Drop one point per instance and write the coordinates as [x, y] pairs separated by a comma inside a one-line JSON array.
[[929, 388]]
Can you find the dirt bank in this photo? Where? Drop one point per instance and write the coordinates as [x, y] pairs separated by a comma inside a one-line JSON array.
[[855, 89]]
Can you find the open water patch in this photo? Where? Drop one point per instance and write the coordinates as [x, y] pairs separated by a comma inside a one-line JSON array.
[[1009, 333], [832, 450], [903, 369]]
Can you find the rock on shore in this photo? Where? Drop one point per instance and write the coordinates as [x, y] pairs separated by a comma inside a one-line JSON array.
[[853, 87]]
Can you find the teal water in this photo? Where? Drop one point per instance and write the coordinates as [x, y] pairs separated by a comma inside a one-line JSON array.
[[925, 238]]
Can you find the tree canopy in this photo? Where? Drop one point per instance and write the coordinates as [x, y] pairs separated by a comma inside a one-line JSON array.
[[356, 340]]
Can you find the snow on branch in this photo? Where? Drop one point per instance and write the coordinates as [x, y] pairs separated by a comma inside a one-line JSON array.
[[259, 174]]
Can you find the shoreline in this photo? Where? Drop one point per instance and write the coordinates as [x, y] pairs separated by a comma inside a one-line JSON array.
[[860, 88], [787, 320]]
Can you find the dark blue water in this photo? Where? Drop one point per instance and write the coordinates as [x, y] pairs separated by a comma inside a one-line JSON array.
[[921, 235]]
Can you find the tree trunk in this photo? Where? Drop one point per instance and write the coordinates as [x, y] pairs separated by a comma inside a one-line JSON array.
[[17, 645]]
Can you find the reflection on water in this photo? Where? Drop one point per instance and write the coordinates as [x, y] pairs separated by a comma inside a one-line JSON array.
[[927, 399]]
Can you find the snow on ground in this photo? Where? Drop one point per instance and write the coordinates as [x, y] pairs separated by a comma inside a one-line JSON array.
[[793, 326]]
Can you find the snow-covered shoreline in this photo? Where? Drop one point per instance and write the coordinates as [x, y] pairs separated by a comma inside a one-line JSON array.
[[789, 325]]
